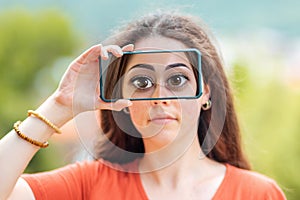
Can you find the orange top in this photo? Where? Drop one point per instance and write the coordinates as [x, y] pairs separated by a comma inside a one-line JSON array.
[[95, 180]]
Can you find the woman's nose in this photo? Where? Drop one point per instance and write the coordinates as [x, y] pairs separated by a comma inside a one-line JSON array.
[[160, 92], [161, 101]]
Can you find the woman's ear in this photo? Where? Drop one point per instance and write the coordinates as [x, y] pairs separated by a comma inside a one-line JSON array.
[[206, 94]]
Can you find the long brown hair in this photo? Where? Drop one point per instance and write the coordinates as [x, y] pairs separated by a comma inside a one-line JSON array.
[[219, 134]]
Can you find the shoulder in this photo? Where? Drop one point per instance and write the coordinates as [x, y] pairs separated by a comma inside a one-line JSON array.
[[101, 167], [249, 185], [80, 179]]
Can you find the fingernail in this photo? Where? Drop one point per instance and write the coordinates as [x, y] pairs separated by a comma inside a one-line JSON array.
[[129, 103], [104, 55]]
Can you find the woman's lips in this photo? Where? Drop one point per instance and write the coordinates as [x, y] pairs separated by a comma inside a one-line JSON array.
[[162, 119]]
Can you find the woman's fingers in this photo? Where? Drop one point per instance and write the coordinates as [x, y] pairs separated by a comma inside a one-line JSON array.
[[128, 47], [90, 55], [115, 50], [83, 74], [104, 53], [118, 105], [118, 52]]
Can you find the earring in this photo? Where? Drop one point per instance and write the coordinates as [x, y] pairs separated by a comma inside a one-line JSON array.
[[126, 110], [207, 105]]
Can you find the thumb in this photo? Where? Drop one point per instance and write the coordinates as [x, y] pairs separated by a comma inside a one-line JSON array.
[[117, 106]]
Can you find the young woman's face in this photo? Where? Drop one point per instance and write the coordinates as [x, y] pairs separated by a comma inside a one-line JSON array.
[[161, 121]]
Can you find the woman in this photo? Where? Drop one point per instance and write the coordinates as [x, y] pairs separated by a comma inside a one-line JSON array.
[[153, 149]]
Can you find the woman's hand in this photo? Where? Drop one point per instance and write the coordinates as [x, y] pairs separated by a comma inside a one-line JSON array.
[[79, 88]]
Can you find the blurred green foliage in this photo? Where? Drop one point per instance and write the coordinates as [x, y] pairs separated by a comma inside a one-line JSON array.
[[29, 43], [269, 112]]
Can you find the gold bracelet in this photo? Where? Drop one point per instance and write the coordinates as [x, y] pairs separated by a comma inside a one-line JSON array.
[[24, 137], [39, 116]]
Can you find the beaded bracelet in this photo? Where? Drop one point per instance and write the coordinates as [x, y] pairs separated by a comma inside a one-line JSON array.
[[39, 116], [26, 138]]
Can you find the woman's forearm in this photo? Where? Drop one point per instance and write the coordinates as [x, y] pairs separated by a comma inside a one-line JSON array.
[[15, 152]]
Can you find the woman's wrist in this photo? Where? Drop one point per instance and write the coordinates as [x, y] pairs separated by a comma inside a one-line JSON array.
[[37, 129], [55, 112]]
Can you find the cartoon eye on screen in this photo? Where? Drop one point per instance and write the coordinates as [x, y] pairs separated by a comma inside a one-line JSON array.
[[151, 74]]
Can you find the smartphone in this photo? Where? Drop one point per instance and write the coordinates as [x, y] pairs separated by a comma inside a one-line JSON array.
[[151, 75]]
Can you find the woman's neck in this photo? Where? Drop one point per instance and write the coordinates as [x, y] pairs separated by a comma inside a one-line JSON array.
[[180, 170], [171, 167]]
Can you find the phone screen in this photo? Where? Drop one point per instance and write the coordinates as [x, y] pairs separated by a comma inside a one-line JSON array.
[[151, 74]]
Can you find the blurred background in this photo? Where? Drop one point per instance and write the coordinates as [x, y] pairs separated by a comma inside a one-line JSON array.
[[260, 42]]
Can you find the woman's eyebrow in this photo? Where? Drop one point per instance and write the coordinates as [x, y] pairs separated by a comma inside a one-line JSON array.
[[145, 66], [176, 65], [150, 67]]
